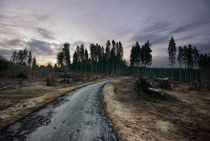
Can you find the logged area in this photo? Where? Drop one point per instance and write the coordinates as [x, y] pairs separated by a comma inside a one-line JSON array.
[[183, 115]]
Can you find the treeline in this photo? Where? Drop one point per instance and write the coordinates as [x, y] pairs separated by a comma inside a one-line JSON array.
[[140, 57], [20, 65], [24, 58], [190, 61], [108, 60]]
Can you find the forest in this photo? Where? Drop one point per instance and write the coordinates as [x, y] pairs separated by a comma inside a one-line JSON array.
[[109, 60]]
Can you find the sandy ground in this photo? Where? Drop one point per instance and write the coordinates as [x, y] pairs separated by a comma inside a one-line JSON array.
[[185, 116], [17, 103]]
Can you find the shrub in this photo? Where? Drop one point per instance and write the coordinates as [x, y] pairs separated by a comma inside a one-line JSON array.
[[22, 75], [4, 64]]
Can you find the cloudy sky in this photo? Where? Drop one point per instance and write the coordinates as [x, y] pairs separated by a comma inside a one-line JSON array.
[[44, 25]]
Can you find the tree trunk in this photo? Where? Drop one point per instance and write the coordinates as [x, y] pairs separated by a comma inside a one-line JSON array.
[[180, 73], [185, 74], [172, 71]]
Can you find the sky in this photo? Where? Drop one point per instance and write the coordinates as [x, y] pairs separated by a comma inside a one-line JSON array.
[[43, 26]]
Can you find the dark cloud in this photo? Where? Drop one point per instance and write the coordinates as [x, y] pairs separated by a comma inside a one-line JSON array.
[[153, 37], [203, 47], [158, 27], [156, 33], [190, 26], [13, 42], [187, 37], [5, 53], [45, 33], [9, 44], [160, 32], [40, 47]]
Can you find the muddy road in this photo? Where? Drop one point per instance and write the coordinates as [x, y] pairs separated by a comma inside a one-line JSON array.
[[76, 116]]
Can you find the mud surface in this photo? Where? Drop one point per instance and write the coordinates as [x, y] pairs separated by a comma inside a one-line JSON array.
[[77, 116]]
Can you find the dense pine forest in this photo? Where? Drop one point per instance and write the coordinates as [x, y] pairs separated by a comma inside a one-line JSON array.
[[109, 60], [99, 59]]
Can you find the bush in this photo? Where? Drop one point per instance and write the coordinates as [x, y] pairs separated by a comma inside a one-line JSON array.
[[4, 64], [22, 75]]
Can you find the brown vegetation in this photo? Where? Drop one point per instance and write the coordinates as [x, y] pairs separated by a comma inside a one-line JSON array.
[[186, 118]]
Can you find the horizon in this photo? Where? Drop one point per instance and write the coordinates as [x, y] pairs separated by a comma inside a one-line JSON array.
[[43, 26]]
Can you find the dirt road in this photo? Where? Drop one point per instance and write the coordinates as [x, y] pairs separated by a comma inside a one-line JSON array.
[[77, 116]]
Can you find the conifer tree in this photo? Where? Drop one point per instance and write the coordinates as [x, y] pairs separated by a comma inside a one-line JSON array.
[[34, 65], [66, 54], [30, 59], [172, 54]]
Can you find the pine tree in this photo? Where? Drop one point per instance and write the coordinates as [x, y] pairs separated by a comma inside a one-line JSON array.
[[108, 52], [60, 59], [189, 60], [20, 57], [204, 61], [135, 56], [66, 54], [185, 61], [14, 57], [30, 59], [92, 55], [147, 54], [195, 61], [113, 56], [119, 56], [25, 56], [172, 54], [132, 57], [86, 57], [34, 65]]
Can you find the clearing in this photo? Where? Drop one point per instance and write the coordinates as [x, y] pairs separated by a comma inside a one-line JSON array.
[[185, 116]]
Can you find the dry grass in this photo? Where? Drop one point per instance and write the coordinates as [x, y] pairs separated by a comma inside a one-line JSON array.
[[186, 118], [17, 103]]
